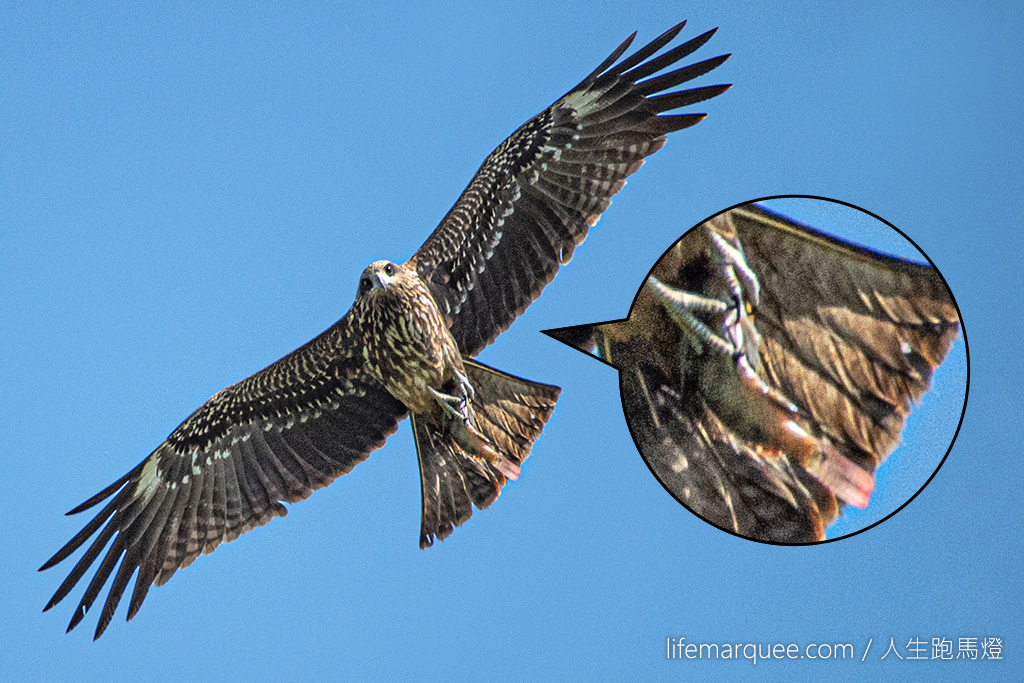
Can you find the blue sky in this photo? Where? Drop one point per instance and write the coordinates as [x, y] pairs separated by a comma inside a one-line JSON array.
[[186, 194]]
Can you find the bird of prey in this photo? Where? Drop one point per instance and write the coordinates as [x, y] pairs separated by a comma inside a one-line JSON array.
[[404, 348], [766, 369]]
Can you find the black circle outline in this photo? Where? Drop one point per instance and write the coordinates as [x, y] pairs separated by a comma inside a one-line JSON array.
[[963, 333]]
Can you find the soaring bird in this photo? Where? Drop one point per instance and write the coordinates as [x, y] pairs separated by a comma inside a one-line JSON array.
[[768, 368], [404, 348]]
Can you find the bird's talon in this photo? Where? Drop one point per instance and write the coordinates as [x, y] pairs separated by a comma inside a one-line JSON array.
[[453, 406]]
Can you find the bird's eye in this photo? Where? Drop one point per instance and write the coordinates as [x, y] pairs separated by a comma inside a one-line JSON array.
[[389, 269], [365, 285]]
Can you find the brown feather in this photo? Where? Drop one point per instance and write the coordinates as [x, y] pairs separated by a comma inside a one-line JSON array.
[[605, 123]]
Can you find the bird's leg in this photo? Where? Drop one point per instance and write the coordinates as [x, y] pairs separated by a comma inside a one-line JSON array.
[[465, 387], [745, 291], [734, 268]]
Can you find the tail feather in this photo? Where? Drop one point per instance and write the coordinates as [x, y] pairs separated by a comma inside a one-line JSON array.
[[509, 412], [845, 479], [450, 482]]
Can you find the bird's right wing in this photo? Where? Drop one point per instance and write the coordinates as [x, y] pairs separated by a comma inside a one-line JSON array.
[[276, 436]]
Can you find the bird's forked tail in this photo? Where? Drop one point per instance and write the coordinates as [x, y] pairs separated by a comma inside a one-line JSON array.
[[466, 465]]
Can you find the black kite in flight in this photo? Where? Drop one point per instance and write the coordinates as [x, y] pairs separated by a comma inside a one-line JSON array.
[[403, 348]]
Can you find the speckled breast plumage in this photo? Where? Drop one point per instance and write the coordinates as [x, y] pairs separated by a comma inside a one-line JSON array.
[[408, 347]]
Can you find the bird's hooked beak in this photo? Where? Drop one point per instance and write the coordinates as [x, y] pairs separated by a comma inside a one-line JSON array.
[[377, 276], [384, 275]]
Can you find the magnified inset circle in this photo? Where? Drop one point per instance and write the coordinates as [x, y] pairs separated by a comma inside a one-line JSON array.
[[775, 376]]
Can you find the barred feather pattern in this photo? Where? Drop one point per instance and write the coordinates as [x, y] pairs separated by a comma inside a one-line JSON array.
[[535, 197], [276, 436], [854, 348]]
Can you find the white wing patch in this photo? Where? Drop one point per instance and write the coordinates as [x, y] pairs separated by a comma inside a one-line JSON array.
[[149, 480]]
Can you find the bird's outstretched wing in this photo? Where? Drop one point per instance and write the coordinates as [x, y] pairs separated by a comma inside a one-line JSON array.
[[849, 336], [535, 196], [278, 435]]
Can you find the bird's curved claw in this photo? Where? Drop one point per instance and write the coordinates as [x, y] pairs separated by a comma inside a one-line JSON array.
[[453, 406], [735, 268]]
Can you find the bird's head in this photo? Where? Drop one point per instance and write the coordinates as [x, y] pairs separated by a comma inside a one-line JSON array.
[[379, 275]]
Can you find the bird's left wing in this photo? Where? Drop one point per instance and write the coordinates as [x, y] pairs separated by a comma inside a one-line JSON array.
[[278, 435], [535, 196]]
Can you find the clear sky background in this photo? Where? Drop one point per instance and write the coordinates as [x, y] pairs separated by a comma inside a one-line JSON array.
[[188, 194]]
